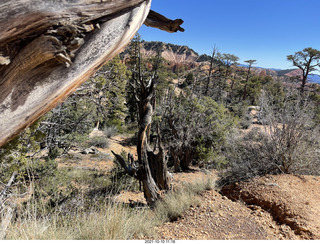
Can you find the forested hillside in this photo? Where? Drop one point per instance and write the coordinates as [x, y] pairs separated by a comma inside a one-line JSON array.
[[185, 55], [181, 111]]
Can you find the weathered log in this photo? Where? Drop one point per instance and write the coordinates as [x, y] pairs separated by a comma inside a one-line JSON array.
[[129, 168], [49, 48]]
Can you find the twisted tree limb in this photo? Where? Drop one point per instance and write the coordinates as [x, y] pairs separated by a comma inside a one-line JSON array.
[[49, 48], [161, 22], [129, 168]]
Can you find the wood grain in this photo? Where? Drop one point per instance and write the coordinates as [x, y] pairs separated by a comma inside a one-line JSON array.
[[49, 48]]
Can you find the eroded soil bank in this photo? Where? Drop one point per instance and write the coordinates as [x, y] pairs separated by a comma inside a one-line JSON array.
[[291, 200], [274, 207]]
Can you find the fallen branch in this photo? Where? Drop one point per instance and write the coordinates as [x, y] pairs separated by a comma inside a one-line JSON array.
[[130, 169]]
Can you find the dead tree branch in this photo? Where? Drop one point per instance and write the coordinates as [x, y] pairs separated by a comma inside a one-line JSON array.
[[161, 22]]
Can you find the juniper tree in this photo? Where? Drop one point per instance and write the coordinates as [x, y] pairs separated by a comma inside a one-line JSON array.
[[307, 60], [250, 62]]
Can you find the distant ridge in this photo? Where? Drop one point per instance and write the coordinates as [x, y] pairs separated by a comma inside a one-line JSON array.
[[184, 55], [257, 67], [314, 78]]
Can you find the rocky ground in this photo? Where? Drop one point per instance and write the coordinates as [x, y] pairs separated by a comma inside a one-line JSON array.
[[277, 207], [282, 207], [291, 200]]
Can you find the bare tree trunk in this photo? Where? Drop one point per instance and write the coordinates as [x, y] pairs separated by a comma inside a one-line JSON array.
[[176, 160], [214, 51], [158, 165], [187, 159], [152, 164], [303, 83], [151, 190]]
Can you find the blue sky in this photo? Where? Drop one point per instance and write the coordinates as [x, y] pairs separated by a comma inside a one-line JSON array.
[[265, 30]]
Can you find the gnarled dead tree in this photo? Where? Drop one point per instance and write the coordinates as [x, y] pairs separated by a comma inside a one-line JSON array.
[[49, 48], [151, 168]]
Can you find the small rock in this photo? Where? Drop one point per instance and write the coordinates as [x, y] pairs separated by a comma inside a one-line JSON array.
[[90, 150], [303, 228], [272, 184], [260, 214]]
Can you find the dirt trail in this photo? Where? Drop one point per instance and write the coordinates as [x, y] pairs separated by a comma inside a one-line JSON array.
[[192, 176], [271, 207], [96, 161], [274, 207], [221, 219]]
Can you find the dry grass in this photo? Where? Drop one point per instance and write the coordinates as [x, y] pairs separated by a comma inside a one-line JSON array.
[[113, 222], [109, 221], [178, 201]]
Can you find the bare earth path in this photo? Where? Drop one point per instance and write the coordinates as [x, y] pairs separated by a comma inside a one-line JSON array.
[[218, 218], [270, 207]]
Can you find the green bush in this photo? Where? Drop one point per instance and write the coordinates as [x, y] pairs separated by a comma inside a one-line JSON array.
[[15, 154], [99, 141], [195, 129], [110, 131], [245, 123], [38, 169], [289, 143]]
